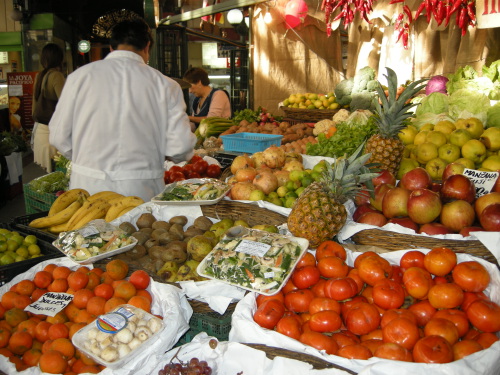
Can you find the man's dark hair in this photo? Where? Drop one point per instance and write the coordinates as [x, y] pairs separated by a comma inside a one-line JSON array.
[[135, 32], [195, 75]]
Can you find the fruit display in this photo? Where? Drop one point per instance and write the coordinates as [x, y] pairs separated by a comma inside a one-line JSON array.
[[15, 247], [76, 207], [369, 306], [193, 366], [311, 101], [196, 167], [416, 202]]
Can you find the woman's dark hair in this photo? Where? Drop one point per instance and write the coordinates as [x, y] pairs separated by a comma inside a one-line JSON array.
[[195, 75], [135, 33], [52, 57]]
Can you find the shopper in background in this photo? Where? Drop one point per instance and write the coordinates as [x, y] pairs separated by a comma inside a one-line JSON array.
[[118, 118], [47, 90], [208, 102]]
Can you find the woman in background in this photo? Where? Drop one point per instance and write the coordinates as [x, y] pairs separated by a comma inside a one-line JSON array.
[[208, 102], [47, 90]]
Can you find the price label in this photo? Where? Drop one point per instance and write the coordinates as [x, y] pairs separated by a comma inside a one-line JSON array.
[[50, 303], [253, 248], [88, 231], [268, 275], [483, 181]]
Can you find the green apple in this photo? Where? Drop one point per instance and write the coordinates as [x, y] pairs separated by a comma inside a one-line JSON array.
[[406, 165], [491, 138], [445, 126], [427, 127], [459, 137], [407, 135], [473, 125], [491, 163], [474, 150], [435, 168], [436, 137], [420, 137], [449, 153], [467, 163], [426, 152]]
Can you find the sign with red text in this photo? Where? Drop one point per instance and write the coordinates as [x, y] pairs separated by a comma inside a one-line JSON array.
[[20, 87], [487, 13]]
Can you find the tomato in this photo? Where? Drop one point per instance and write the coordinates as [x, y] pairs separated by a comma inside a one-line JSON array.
[[440, 261], [373, 335], [166, 177], [423, 310], [341, 289], [175, 168], [457, 317], [354, 274], [176, 176], [484, 315], [397, 313], [305, 277], [330, 248], [471, 276], [442, 327], [333, 267], [388, 294], [397, 274], [414, 258], [187, 169], [362, 256], [319, 341], [194, 159], [401, 331], [200, 167], [470, 297], [307, 260], [323, 304], [432, 349], [194, 174], [289, 326], [373, 344], [213, 171], [486, 339], [417, 282], [298, 301], [261, 298], [269, 313], [346, 305], [289, 286], [344, 338], [362, 318], [390, 350], [356, 351], [446, 296], [464, 348], [319, 288], [325, 321], [373, 268]]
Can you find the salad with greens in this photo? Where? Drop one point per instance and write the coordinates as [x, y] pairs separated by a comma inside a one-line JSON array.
[[194, 190]]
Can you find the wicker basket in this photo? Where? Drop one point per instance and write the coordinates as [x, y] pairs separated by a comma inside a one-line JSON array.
[[399, 241], [309, 115]]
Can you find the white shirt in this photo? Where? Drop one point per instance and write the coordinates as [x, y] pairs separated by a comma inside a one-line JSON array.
[[116, 120]]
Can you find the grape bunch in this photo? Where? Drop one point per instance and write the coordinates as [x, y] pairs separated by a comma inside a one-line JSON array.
[[193, 367]]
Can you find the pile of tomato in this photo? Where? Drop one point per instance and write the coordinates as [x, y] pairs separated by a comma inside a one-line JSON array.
[[196, 167], [426, 309]]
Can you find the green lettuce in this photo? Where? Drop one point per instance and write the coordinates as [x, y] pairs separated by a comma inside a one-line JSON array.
[[494, 116], [430, 118], [436, 102], [466, 103]]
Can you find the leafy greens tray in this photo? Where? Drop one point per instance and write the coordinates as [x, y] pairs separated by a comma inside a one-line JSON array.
[[199, 191]]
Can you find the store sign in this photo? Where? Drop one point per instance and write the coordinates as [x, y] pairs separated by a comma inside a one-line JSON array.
[[20, 88], [83, 46], [488, 13]]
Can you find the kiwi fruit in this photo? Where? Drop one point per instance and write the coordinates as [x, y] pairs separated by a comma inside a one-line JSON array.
[[181, 220], [146, 220], [148, 231], [203, 223], [128, 227], [155, 235], [141, 237]]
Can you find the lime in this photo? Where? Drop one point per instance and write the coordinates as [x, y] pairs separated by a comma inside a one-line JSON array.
[[296, 175], [271, 228], [30, 239], [291, 194], [34, 249], [299, 191], [306, 180], [12, 245], [35, 256], [281, 192], [290, 201], [277, 201], [257, 195], [316, 176], [19, 258], [3, 246], [272, 194], [6, 259], [23, 252], [320, 167], [18, 238], [4, 231], [2, 238]]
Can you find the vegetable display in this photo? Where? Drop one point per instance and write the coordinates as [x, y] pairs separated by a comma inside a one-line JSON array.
[[358, 92], [196, 190], [49, 183], [212, 126]]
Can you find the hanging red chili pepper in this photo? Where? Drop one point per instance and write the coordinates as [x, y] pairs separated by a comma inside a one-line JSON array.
[[348, 10]]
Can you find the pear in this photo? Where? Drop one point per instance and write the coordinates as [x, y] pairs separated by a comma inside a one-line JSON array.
[[221, 227], [241, 222], [198, 247], [426, 152]]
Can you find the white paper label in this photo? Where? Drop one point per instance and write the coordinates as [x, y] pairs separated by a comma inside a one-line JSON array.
[[88, 231], [484, 181], [112, 322], [50, 303], [253, 248], [268, 275]]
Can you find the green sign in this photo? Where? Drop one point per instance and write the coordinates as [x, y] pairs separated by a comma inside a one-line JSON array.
[[83, 46]]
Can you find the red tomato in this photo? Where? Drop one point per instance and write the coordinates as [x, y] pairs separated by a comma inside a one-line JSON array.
[[390, 350], [486, 339], [401, 331], [187, 169], [345, 338], [373, 335], [355, 351], [298, 301], [319, 341], [484, 315], [333, 267], [374, 344], [175, 168], [194, 174], [432, 349], [470, 297], [176, 176], [471, 276], [262, 298], [330, 248], [373, 268], [397, 274], [442, 327], [307, 260], [397, 313], [446, 296], [464, 348], [341, 289], [362, 318], [269, 313], [323, 304], [289, 326], [362, 256], [457, 317], [194, 159], [346, 305], [414, 258], [166, 177], [213, 171], [325, 321], [423, 310], [200, 167], [319, 288], [417, 282], [388, 294], [289, 286], [305, 277], [440, 261], [354, 274]]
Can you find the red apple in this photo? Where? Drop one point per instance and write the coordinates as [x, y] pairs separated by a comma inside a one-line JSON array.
[[404, 222], [395, 202], [362, 196], [384, 177], [467, 231], [496, 187], [457, 215], [434, 228], [360, 210], [417, 178], [451, 169], [373, 218], [436, 186], [485, 200], [424, 206], [456, 187], [379, 192], [490, 218]]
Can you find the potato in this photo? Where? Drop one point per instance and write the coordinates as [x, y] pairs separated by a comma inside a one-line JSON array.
[[155, 252], [177, 245], [141, 237], [177, 229], [203, 223], [182, 220], [150, 243], [175, 255], [148, 231]]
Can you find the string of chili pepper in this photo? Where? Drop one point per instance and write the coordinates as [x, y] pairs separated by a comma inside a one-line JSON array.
[[348, 10], [403, 21]]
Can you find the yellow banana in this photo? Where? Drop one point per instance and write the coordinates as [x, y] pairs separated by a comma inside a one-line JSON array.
[[97, 210], [58, 218], [118, 205], [106, 195], [65, 199], [126, 209], [56, 229], [114, 213], [79, 214]]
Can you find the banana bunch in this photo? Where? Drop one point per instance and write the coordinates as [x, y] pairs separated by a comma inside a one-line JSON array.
[[76, 207]]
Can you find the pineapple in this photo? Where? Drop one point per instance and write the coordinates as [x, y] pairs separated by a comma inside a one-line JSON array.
[[319, 213], [385, 146]]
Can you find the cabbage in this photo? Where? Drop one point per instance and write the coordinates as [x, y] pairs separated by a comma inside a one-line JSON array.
[[494, 116], [430, 118], [436, 84], [465, 103], [436, 102]]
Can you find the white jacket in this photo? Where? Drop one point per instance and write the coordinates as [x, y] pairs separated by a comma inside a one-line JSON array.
[[116, 120]]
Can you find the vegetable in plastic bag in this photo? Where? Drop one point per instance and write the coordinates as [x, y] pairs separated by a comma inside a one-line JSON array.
[[50, 183]]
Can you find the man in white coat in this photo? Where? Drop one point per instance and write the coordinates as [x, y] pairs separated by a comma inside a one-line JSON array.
[[118, 119]]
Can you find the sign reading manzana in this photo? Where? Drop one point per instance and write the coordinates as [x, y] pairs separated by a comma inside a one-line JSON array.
[[488, 13]]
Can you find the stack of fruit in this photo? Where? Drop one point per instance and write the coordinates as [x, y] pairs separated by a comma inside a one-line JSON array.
[[15, 247], [311, 101], [464, 141], [196, 167], [417, 203]]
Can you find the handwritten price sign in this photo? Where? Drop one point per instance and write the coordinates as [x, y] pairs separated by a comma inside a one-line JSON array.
[[483, 181]]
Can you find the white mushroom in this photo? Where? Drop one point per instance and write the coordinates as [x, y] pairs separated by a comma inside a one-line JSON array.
[[133, 319], [134, 343], [141, 323], [95, 348], [92, 333], [154, 324], [123, 350], [110, 354], [143, 333], [100, 335], [124, 336], [131, 326], [106, 342]]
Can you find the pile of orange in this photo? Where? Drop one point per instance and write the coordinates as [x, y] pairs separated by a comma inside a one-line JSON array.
[[39, 340]]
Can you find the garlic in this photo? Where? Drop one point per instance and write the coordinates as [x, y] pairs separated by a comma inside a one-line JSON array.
[[143, 333], [123, 350], [154, 324], [124, 336], [110, 354], [134, 343]]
